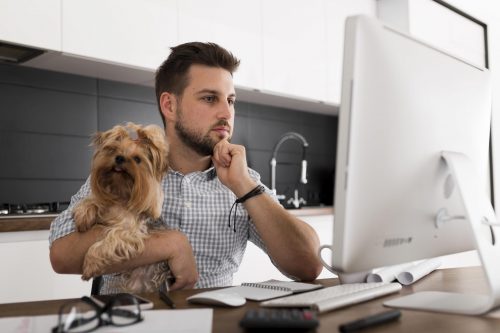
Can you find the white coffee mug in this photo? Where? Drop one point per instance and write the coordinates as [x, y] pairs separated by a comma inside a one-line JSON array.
[[356, 277]]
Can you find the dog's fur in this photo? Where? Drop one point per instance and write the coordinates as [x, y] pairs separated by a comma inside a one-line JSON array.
[[128, 165]]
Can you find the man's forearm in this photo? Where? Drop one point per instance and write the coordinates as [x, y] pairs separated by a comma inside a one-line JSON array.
[[291, 243], [67, 253]]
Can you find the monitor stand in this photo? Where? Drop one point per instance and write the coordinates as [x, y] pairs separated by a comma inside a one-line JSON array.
[[484, 229]]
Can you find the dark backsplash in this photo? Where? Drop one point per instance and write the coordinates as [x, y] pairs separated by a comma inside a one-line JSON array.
[[47, 118]]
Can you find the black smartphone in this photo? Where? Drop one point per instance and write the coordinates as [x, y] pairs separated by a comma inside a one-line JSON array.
[[144, 303]]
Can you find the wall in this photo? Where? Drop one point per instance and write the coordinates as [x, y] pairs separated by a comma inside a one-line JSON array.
[[488, 11], [47, 119]]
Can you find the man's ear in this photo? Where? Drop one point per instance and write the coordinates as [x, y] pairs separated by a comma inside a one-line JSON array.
[[168, 105]]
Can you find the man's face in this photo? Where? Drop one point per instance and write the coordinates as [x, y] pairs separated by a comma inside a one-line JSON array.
[[205, 112]]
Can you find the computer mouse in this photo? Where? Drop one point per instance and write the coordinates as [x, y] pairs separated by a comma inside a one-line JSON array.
[[217, 298]]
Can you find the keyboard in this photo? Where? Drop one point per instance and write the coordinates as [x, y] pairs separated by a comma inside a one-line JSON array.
[[335, 297]]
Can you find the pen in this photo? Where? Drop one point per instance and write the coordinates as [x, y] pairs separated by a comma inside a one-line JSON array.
[[369, 321], [164, 297]]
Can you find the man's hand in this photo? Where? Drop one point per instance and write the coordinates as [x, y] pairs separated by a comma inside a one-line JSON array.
[[182, 262], [230, 162]]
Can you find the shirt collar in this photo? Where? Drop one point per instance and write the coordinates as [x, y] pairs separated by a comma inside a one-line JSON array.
[[209, 173]]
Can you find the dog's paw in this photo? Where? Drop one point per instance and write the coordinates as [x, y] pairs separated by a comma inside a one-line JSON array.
[[87, 274], [85, 215], [90, 270], [86, 277]]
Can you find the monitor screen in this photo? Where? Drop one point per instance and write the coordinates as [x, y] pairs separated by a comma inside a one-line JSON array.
[[403, 103]]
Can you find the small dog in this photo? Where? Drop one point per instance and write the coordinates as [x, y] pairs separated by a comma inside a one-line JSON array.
[[128, 165]]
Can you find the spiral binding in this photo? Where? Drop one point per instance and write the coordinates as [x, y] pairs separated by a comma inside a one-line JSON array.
[[266, 286]]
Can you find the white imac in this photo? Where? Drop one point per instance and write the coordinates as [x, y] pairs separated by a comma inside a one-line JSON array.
[[412, 170]]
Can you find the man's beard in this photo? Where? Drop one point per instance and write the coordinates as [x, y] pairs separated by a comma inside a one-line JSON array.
[[203, 145]]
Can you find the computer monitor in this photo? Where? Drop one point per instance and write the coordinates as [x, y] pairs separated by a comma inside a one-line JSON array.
[[405, 105]]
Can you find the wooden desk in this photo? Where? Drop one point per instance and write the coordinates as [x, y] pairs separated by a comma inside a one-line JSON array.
[[226, 319]]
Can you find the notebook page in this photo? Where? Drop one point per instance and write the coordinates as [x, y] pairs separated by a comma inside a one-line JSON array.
[[296, 287], [257, 292]]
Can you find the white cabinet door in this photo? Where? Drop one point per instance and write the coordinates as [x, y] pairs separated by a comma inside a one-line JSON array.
[[294, 48], [31, 22], [132, 32], [336, 13], [26, 271], [234, 25]]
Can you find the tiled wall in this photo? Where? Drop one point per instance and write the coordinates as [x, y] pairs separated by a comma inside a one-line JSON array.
[[47, 118]]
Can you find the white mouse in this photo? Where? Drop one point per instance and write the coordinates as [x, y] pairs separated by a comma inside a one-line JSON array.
[[218, 298]]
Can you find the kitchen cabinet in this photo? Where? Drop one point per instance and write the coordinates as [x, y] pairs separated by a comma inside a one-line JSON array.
[[290, 51], [336, 13], [303, 46], [31, 22], [234, 25], [129, 32], [26, 271], [294, 48]]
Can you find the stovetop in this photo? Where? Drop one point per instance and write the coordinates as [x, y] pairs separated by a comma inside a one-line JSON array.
[[19, 209]]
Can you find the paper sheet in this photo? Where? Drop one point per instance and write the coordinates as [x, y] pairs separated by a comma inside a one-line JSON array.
[[418, 271], [406, 273], [387, 274], [172, 321]]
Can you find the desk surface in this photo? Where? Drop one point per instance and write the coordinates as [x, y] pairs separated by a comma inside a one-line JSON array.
[[226, 319]]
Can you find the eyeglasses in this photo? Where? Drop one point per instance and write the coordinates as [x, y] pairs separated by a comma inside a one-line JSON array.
[[85, 315]]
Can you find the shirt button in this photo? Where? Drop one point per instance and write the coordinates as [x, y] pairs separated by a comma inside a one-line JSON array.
[[187, 204]]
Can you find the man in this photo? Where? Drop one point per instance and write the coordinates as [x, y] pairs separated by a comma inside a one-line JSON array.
[[207, 236]]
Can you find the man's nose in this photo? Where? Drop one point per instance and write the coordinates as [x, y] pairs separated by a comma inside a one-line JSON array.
[[225, 111]]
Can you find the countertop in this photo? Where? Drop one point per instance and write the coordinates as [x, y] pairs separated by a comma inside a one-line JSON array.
[[42, 222], [26, 222], [312, 211]]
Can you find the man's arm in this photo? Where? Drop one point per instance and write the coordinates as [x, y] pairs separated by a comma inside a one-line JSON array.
[[67, 254], [291, 243]]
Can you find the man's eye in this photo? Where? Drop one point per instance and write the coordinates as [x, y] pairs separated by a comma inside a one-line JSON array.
[[231, 101], [209, 99], [137, 159]]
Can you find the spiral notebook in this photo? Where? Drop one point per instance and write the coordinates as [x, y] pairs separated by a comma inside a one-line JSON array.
[[261, 291]]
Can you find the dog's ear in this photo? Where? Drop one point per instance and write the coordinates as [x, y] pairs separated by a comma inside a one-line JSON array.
[[154, 137], [97, 139]]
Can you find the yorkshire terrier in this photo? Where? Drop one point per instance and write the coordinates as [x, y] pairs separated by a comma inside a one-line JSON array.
[[126, 197]]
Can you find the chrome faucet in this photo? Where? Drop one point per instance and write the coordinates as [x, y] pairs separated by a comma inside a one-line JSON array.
[[296, 201]]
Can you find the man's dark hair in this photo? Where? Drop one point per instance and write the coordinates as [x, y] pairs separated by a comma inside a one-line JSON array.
[[172, 76]]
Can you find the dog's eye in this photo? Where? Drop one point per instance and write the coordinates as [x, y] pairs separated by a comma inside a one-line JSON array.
[[137, 159]]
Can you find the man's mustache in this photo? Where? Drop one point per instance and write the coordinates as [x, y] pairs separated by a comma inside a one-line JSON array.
[[222, 122]]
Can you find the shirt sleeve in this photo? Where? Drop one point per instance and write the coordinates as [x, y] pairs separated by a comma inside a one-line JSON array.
[[64, 224]]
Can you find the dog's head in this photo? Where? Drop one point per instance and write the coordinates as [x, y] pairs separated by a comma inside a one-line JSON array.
[[129, 161]]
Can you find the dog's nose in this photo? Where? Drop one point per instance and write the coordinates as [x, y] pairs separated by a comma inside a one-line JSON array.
[[119, 159]]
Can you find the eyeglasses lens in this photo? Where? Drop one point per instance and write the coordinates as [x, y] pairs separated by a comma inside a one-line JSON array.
[[78, 317], [125, 310]]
